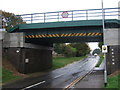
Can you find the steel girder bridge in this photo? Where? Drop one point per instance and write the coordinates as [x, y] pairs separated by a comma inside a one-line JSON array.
[[67, 26]]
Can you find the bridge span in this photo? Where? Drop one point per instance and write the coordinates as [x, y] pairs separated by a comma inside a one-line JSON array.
[[31, 43]]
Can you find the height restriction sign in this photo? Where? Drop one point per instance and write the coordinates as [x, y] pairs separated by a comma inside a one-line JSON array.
[[65, 14], [104, 49]]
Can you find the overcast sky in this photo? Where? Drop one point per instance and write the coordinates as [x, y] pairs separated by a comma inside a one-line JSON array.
[[38, 6], [34, 6]]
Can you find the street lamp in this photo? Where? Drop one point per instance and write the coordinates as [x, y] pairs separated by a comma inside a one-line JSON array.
[[103, 22]]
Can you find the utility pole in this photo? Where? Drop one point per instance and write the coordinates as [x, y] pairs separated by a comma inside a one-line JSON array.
[[103, 22]]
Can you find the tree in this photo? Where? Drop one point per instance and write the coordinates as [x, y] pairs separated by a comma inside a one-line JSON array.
[[82, 49], [10, 20], [100, 45], [59, 48], [69, 51]]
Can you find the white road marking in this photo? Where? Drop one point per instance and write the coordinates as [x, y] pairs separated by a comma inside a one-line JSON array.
[[40, 83], [58, 76], [33, 85]]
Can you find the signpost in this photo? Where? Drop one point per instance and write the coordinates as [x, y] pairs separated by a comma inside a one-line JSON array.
[[105, 50], [104, 46]]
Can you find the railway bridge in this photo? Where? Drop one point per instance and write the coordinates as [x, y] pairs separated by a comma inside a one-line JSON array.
[[31, 44]]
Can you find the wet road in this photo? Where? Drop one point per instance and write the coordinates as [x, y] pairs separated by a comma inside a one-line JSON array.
[[60, 78]]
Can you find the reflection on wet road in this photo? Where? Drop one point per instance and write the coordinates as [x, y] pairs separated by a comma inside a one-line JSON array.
[[60, 78]]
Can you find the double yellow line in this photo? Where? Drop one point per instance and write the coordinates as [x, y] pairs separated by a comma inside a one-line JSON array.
[[73, 83], [76, 81]]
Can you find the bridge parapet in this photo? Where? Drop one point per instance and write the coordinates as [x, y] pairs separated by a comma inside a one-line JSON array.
[[119, 10], [72, 15]]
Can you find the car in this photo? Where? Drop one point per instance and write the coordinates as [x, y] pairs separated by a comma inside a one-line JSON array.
[[95, 54]]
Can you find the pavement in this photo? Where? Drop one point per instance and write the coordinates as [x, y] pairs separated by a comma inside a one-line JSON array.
[[93, 80]]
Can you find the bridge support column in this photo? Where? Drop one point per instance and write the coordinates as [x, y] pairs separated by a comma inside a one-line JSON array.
[[1, 44], [26, 57], [113, 56]]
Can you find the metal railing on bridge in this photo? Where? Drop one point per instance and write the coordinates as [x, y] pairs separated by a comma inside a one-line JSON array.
[[72, 15]]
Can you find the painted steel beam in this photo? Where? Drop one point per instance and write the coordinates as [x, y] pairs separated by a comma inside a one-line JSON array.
[[65, 39], [57, 25], [90, 34]]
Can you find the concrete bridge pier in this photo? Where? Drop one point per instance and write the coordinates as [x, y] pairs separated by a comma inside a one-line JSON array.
[[1, 44], [112, 40], [26, 57]]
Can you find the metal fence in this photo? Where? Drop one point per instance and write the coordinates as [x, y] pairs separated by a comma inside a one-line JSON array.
[[72, 15]]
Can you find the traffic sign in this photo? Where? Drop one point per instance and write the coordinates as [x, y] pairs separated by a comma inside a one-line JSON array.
[[65, 14], [104, 49]]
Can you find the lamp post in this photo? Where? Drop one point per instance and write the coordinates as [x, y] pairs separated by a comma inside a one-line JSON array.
[[103, 22]]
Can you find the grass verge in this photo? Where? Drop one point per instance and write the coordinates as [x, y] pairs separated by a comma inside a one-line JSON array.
[[100, 61], [8, 76], [59, 62], [114, 81]]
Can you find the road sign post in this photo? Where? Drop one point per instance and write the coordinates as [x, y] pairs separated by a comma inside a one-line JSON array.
[[104, 49]]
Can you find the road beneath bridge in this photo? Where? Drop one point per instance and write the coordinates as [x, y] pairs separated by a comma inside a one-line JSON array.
[[59, 78]]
